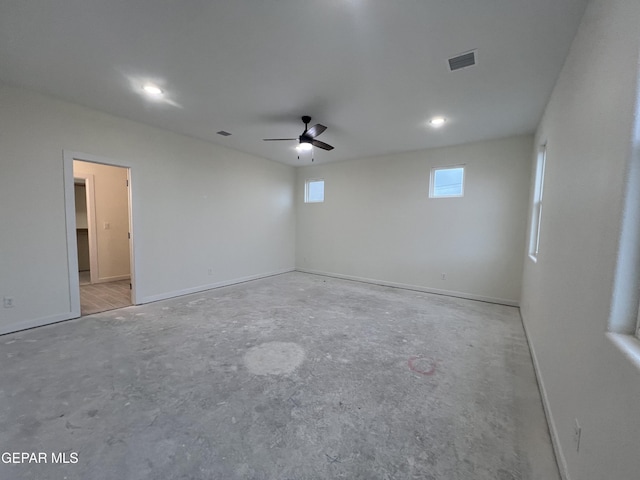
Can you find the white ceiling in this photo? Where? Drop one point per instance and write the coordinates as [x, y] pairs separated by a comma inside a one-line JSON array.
[[372, 71]]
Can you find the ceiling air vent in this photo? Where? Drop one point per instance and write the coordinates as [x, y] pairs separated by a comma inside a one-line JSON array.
[[223, 133], [462, 61]]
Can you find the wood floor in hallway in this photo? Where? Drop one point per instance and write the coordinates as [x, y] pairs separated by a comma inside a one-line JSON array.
[[100, 297]]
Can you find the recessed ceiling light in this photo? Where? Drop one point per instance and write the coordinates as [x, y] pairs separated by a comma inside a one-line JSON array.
[[152, 90], [437, 121]]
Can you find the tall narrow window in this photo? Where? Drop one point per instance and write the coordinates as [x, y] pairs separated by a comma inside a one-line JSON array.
[[447, 182], [536, 213], [314, 191]]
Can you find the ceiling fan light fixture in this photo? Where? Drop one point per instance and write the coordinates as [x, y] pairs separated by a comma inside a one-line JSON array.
[[308, 139]]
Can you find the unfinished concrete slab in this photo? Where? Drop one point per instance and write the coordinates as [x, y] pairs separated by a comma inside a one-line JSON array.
[[295, 376]]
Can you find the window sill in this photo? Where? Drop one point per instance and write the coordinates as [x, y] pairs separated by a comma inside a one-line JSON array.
[[629, 345]]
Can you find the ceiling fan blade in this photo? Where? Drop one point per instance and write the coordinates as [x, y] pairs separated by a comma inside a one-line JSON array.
[[322, 145], [277, 139], [316, 130]]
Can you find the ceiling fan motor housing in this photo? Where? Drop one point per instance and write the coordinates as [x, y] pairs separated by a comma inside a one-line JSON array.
[[305, 138]]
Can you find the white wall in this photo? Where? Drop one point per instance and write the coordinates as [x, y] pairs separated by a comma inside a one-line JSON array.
[[378, 223], [196, 206], [567, 295], [111, 223]]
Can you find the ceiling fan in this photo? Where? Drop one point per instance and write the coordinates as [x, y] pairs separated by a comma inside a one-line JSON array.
[[308, 138]]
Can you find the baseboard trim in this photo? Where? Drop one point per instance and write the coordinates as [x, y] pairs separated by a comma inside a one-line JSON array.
[[418, 288], [112, 279], [555, 441], [36, 322], [210, 286], [61, 317]]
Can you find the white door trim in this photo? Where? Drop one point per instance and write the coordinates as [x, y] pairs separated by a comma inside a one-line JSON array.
[[72, 245]]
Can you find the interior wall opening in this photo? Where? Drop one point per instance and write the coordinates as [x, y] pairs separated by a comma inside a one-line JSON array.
[[103, 236]]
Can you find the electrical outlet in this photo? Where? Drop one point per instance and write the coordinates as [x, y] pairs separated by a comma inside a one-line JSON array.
[[8, 302], [577, 432]]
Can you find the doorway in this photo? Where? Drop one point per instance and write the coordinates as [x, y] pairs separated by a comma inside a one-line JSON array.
[[103, 237]]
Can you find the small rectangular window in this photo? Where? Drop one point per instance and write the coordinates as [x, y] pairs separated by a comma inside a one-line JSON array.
[[536, 211], [447, 182], [314, 191]]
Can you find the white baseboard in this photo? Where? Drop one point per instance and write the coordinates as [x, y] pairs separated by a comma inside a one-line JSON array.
[[36, 322], [210, 286], [418, 288], [112, 279], [555, 441], [39, 322]]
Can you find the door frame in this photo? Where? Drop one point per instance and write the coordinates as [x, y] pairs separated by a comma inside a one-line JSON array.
[[70, 215], [89, 184]]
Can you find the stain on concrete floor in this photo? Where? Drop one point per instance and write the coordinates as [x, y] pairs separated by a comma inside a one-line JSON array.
[[274, 358]]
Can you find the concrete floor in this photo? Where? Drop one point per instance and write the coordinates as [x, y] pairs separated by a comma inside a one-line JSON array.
[[295, 376]]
